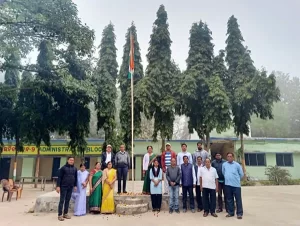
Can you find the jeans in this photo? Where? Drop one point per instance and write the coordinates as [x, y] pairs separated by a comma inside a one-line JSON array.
[[185, 190], [122, 173], [231, 194], [64, 201], [198, 197], [209, 200], [221, 188], [156, 201], [174, 196]]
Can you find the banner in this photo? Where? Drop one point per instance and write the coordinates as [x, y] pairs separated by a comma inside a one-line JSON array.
[[53, 150]]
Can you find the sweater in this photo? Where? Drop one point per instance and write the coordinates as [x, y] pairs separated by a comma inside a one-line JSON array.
[[122, 160], [173, 174]]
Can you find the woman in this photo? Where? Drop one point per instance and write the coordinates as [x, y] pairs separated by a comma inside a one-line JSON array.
[[148, 160], [109, 178], [80, 194], [95, 180], [156, 186]]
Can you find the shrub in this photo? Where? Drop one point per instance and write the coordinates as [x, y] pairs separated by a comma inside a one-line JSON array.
[[294, 182], [278, 175], [266, 183], [248, 183]]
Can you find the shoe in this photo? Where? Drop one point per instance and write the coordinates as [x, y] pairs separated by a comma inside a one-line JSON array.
[[153, 210], [193, 211], [170, 211], [118, 192], [229, 215], [240, 217], [177, 211], [158, 210], [199, 210], [66, 216], [184, 210], [219, 210], [165, 193], [214, 215], [60, 218], [205, 214], [124, 192]]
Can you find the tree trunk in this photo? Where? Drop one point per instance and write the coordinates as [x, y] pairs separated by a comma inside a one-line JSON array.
[[15, 165], [163, 144], [243, 154], [37, 167], [208, 143]]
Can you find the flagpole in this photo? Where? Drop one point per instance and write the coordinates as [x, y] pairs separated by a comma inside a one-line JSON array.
[[132, 116]]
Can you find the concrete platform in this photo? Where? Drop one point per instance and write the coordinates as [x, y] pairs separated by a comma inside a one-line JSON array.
[[48, 202]]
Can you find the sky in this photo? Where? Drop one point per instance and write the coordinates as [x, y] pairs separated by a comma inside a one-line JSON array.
[[270, 28]]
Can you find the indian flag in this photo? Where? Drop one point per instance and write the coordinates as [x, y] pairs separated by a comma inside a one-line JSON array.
[[131, 58]]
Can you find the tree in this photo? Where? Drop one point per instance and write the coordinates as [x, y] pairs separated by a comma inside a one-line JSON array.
[[157, 87], [252, 91], [125, 86], [205, 101], [105, 76], [24, 24], [12, 80]]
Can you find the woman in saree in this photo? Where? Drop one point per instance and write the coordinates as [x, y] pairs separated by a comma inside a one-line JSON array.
[[109, 178], [148, 160], [80, 194], [95, 180]]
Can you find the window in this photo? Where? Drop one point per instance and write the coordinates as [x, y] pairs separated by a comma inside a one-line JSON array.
[[284, 159], [255, 159], [87, 162]]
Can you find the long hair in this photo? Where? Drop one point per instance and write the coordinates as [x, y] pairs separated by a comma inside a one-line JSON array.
[[158, 168]]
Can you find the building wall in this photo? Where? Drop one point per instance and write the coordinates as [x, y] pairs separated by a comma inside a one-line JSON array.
[[259, 171], [19, 167], [46, 167]]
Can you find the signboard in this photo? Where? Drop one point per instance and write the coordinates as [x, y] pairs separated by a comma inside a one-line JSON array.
[[53, 150]]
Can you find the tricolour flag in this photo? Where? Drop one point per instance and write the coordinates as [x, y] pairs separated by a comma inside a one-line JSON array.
[[131, 58]]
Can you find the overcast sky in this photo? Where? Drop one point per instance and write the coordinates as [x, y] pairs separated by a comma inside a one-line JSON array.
[[270, 28]]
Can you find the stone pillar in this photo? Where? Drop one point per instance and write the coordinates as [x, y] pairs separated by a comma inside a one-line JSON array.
[[28, 167], [63, 161], [138, 168]]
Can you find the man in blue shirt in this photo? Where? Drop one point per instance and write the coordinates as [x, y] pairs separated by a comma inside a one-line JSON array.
[[233, 174]]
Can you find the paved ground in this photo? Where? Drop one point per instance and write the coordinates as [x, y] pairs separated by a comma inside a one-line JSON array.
[[263, 206]]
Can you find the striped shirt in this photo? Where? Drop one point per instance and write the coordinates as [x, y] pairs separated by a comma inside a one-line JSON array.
[[168, 158]]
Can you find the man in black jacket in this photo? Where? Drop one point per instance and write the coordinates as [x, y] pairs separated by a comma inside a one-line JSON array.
[[66, 183], [217, 164], [107, 156]]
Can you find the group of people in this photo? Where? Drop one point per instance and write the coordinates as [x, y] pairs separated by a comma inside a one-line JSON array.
[[193, 171], [101, 180]]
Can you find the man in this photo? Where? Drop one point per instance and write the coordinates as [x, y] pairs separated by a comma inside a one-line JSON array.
[[106, 157], [233, 174], [188, 182], [66, 183], [198, 167], [200, 152], [166, 157], [217, 164], [209, 187], [173, 176], [122, 161], [183, 153]]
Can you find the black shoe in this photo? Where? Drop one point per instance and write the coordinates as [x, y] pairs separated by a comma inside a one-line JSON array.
[[153, 210], [219, 210], [118, 192], [240, 217], [170, 211], [199, 210], [177, 211], [125, 192]]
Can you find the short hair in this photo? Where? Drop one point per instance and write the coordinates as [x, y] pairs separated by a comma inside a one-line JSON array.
[[97, 163], [174, 159], [149, 147], [199, 157], [230, 153], [183, 144], [218, 153], [208, 159], [200, 142], [81, 165], [71, 157], [185, 157]]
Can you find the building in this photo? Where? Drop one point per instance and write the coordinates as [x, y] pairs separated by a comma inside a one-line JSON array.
[[259, 153]]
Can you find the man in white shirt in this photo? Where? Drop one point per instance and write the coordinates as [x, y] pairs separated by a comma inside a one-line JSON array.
[[209, 187], [183, 153], [107, 156], [198, 167]]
